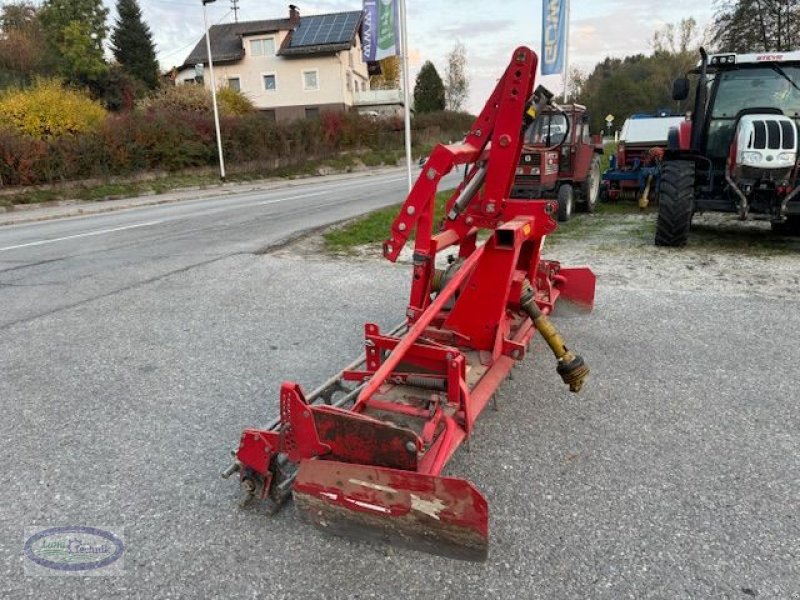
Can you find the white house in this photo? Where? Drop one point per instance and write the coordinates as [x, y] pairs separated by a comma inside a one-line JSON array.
[[289, 68]]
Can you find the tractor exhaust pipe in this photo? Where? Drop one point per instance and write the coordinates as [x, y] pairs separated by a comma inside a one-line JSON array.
[[700, 98]]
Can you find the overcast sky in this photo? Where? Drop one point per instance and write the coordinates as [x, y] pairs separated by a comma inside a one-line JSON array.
[[489, 30]]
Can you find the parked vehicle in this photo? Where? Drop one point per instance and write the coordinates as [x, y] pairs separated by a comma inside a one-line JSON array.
[[635, 170], [560, 160], [739, 151]]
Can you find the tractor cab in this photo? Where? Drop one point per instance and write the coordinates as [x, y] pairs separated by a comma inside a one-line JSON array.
[[560, 159], [743, 89], [740, 149]]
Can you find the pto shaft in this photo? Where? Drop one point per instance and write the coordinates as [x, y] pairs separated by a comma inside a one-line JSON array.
[[571, 367]]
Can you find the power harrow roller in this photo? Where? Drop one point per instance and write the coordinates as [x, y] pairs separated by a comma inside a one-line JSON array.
[[363, 454]]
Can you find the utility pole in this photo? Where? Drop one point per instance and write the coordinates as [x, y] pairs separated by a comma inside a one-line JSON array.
[[235, 9], [214, 91], [406, 89]]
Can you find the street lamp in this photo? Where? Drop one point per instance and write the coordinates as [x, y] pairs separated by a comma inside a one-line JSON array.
[[213, 90]]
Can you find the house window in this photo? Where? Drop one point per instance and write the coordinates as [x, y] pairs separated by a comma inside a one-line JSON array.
[[270, 115], [265, 47], [312, 113], [235, 84], [270, 82], [311, 80], [350, 83]]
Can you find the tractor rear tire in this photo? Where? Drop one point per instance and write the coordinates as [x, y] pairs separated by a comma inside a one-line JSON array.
[[790, 227], [566, 202], [675, 203], [590, 188]]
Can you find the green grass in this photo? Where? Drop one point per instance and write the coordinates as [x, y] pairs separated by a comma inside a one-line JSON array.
[[735, 237], [95, 192], [372, 228]]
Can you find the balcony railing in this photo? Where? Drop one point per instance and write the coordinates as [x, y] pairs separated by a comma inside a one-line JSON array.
[[378, 97]]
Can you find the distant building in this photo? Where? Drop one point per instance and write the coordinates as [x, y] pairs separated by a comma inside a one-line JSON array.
[[289, 68]]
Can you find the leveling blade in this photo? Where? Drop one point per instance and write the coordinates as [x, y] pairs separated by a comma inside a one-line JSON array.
[[440, 515]]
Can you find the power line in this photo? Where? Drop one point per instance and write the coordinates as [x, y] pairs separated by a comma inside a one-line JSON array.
[[235, 9]]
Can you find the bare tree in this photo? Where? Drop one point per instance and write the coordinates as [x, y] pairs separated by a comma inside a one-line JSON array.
[[757, 25], [576, 82], [456, 81], [676, 38], [22, 42]]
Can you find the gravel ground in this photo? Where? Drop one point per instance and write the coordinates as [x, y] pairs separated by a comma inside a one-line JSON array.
[[674, 475]]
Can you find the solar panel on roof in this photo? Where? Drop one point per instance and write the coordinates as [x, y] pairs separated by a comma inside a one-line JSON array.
[[319, 30]]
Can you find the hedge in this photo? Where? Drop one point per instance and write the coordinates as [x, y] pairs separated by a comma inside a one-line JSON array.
[[165, 136]]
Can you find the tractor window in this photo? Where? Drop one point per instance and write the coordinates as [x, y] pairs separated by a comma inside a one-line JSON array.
[[548, 130], [763, 87]]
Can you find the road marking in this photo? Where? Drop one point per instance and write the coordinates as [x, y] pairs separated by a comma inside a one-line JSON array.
[[202, 213], [81, 235], [289, 198], [329, 188]]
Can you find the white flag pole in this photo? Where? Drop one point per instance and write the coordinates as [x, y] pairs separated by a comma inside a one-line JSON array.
[[406, 88]]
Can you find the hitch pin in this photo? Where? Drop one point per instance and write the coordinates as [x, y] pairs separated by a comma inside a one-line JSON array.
[[231, 470]]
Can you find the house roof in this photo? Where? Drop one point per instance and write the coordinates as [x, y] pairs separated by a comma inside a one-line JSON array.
[[315, 34], [323, 33]]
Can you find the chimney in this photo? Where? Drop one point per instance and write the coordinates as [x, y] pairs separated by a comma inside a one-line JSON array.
[[294, 15]]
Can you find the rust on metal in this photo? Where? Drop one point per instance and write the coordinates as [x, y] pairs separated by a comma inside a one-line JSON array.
[[357, 439]]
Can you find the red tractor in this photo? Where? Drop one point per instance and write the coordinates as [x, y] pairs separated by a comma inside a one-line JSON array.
[[560, 159], [739, 152]]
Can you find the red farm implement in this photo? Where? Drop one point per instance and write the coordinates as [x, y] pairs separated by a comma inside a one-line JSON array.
[[363, 454]]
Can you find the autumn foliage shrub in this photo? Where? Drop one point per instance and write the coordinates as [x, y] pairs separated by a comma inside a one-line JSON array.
[[174, 130], [49, 110], [234, 102], [196, 98]]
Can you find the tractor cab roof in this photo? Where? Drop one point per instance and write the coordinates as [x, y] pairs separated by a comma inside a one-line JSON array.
[[731, 60], [567, 108]]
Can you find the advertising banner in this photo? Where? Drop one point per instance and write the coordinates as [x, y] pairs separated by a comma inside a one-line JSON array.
[[554, 36], [380, 29]]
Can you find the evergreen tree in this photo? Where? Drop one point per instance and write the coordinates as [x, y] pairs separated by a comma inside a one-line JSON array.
[[75, 31], [428, 90], [132, 44]]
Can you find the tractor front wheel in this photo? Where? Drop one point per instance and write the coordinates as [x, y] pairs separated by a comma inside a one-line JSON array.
[[675, 203], [590, 189], [566, 202]]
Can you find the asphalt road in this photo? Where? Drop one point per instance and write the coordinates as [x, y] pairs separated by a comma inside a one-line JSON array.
[[132, 360], [50, 266]]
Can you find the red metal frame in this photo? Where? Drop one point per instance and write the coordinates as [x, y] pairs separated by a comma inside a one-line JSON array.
[[380, 460]]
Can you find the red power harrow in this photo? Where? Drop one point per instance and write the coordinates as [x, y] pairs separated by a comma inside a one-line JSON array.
[[363, 454]]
